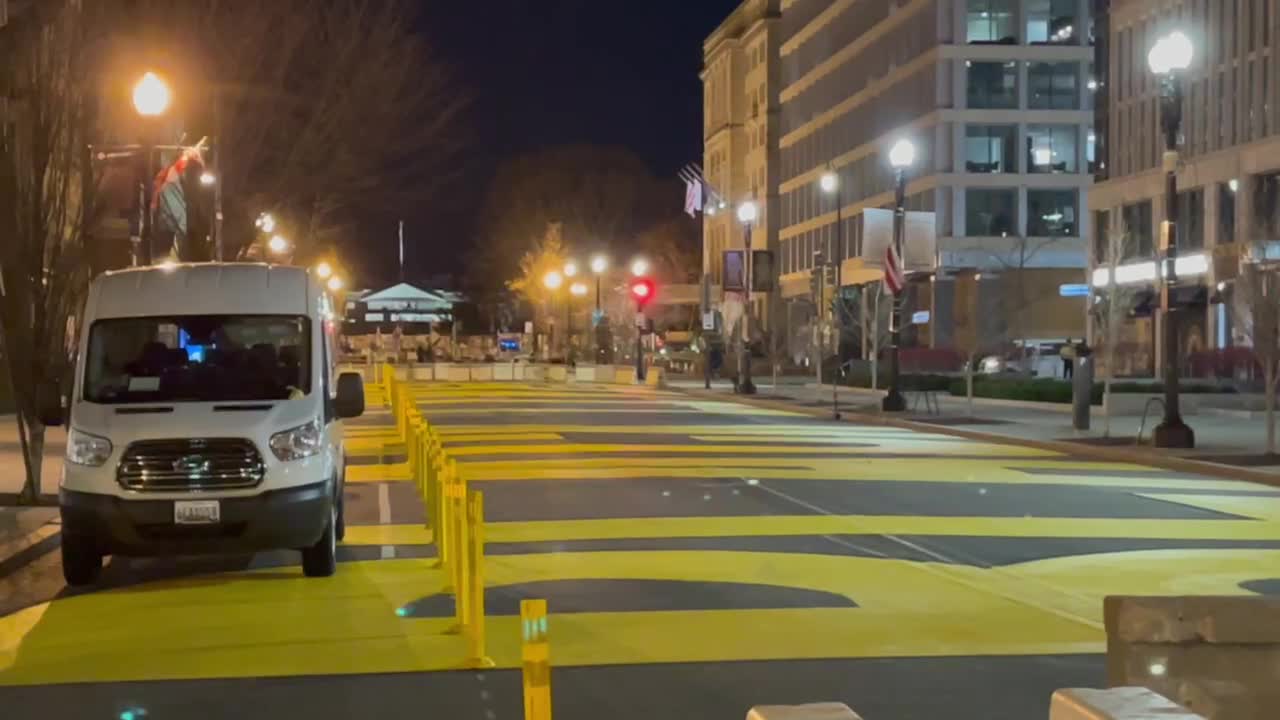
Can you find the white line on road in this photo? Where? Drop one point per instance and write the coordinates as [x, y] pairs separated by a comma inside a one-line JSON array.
[[384, 516]]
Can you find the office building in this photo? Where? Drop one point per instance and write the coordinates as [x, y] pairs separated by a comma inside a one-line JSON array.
[[995, 94], [1228, 206]]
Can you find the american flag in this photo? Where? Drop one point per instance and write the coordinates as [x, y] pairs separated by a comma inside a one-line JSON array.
[[893, 275]]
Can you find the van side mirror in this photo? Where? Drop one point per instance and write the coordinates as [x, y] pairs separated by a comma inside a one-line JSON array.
[[350, 400], [49, 406]]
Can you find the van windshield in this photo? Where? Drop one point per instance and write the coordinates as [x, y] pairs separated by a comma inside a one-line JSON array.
[[198, 358]]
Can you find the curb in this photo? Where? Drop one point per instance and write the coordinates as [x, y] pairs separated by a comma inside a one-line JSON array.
[[1174, 463]]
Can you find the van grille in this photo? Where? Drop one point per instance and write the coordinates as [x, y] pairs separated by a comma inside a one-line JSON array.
[[190, 464]]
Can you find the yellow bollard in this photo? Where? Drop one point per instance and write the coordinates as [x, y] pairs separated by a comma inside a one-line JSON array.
[[476, 656], [443, 531], [535, 656], [457, 528]]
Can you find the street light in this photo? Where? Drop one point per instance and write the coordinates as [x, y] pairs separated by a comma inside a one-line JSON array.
[[334, 284], [552, 280], [265, 222], [207, 179], [578, 290], [639, 267], [151, 96], [599, 263], [1169, 57], [570, 268], [747, 214], [324, 270], [830, 184], [278, 245], [901, 156]]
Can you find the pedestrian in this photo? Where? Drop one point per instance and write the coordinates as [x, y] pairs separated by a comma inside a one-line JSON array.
[[1068, 354]]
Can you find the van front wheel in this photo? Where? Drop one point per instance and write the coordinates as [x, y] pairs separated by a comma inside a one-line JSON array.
[[321, 559], [81, 560]]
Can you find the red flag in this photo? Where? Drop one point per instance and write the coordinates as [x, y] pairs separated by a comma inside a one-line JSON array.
[[168, 203], [893, 275]]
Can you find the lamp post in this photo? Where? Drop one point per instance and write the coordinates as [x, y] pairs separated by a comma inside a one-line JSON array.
[[599, 265], [1169, 57], [552, 281], [151, 99], [747, 214], [830, 184], [576, 290], [901, 156]]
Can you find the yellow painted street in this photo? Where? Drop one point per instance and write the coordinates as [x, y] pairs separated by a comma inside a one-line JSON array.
[[693, 554]]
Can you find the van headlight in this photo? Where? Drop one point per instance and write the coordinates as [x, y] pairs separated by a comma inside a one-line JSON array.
[[297, 443], [86, 449]]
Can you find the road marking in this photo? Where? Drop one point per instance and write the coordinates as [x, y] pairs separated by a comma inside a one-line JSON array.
[[384, 517]]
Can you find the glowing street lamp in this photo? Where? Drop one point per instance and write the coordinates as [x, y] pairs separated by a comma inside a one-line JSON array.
[[151, 96], [578, 289], [335, 284], [901, 157], [324, 270], [830, 182], [639, 267], [570, 268], [599, 263], [265, 222], [278, 245], [748, 213], [1169, 58], [552, 280], [207, 179]]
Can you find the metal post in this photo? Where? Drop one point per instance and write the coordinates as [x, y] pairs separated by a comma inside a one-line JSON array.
[[568, 329], [745, 386], [894, 401], [1172, 432], [639, 344], [706, 345], [837, 304], [145, 256]]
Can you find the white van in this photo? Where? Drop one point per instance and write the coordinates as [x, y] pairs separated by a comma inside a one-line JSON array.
[[205, 417]]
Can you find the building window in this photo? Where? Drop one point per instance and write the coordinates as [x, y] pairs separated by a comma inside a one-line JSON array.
[[1102, 238], [1137, 225], [990, 212], [1054, 86], [992, 22], [990, 148], [1227, 211], [1052, 22], [1051, 148], [1052, 213], [992, 84], [1091, 150], [1191, 219]]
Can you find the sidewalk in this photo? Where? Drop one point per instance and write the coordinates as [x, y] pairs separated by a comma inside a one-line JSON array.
[[12, 473], [1227, 444]]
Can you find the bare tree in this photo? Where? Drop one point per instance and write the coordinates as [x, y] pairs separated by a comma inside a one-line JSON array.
[[46, 202], [1109, 312], [976, 333], [1257, 312], [319, 110]]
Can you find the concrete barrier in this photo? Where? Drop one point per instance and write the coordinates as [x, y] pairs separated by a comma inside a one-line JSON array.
[[423, 372], [1217, 656], [558, 373], [535, 373], [585, 373], [1123, 703], [505, 372], [624, 375], [458, 373], [812, 711], [482, 373], [655, 377]]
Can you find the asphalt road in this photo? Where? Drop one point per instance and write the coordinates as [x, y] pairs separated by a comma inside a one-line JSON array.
[[697, 557]]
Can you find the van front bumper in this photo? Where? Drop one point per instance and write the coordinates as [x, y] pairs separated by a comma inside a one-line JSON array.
[[288, 518]]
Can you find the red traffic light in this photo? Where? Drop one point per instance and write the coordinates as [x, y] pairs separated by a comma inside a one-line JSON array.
[[643, 290]]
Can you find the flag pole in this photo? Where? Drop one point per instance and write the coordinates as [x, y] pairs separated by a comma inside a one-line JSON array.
[[401, 251]]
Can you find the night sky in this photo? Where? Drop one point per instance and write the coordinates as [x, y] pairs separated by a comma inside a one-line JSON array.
[[541, 73]]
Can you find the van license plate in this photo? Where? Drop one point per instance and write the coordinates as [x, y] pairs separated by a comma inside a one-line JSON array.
[[197, 512]]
